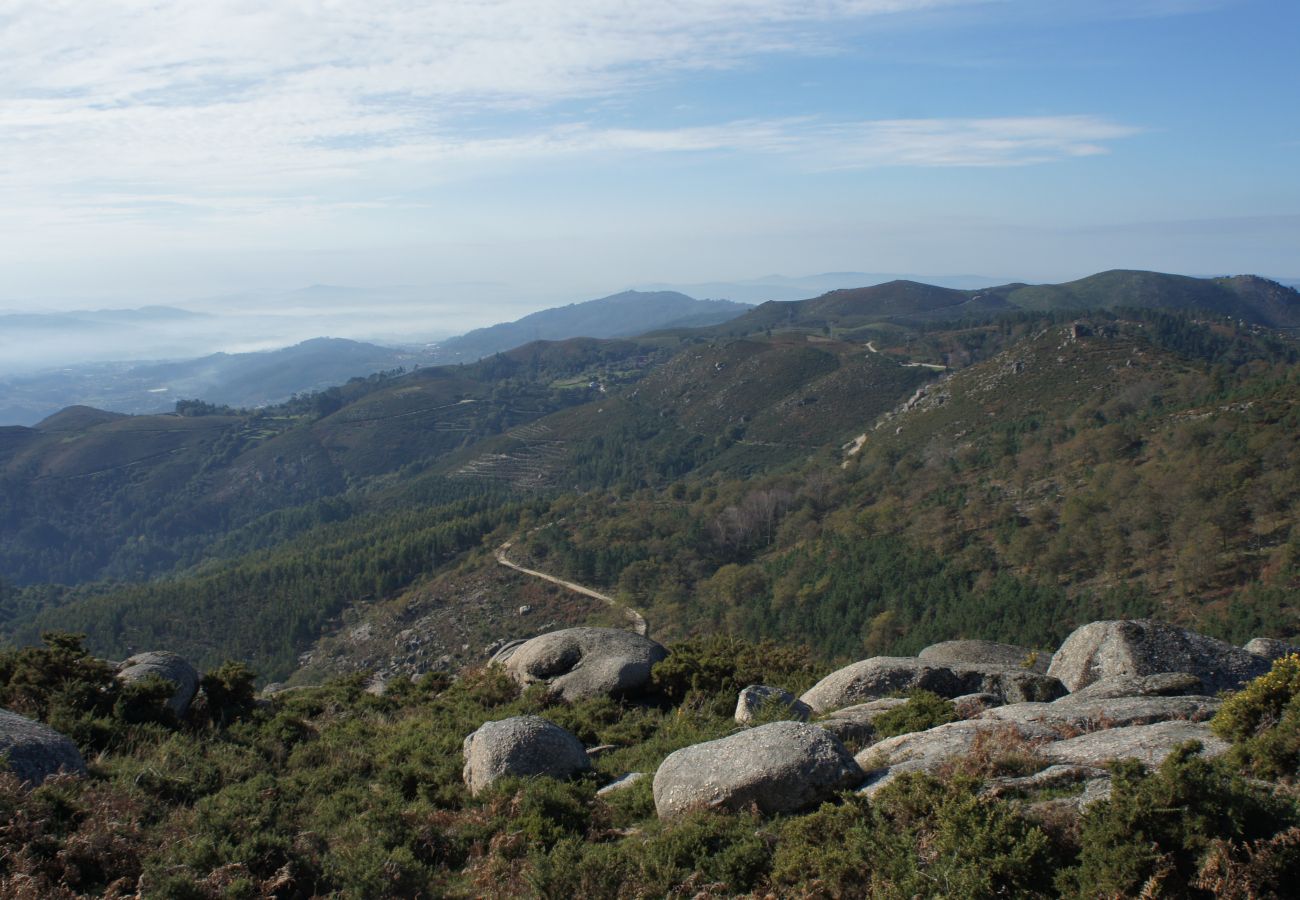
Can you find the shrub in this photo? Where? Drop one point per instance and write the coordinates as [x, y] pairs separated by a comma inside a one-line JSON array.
[[919, 836], [1263, 720], [923, 710], [718, 666], [228, 694], [1152, 833]]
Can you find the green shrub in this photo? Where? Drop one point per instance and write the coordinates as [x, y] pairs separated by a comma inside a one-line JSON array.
[[1151, 835], [1263, 721], [919, 836], [923, 710], [718, 666], [228, 694]]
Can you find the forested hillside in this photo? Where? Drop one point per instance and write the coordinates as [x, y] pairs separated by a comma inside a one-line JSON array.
[[840, 477]]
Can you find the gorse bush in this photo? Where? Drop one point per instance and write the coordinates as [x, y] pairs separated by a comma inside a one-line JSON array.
[[1154, 833], [1263, 720]]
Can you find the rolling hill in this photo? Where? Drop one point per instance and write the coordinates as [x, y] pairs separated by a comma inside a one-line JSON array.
[[845, 481]]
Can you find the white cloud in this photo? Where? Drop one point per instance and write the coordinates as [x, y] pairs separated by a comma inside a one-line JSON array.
[[133, 111], [275, 96]]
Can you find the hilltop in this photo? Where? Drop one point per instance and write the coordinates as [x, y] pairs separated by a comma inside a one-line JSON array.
[[625, 314]]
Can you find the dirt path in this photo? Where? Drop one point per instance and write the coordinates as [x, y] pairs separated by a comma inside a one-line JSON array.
[[639, 624]]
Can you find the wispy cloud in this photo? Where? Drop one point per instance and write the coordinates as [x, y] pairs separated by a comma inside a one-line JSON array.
[[229, 105]]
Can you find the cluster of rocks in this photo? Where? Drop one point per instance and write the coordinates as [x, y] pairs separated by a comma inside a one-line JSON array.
[[34, 752], [1114, 690]]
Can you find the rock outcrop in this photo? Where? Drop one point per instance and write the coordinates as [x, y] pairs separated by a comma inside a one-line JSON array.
[[778, 768], [522, 746], [1070, 714], [580, 663], [34, 752], [1145, 647], [1148, 744], [1163, 684], [927, 751], [986, 653], [169, 667], [760, 700], [882, 676]]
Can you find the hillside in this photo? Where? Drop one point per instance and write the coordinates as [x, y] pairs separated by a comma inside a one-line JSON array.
[[129, 497], [619, 315], [844, 485]]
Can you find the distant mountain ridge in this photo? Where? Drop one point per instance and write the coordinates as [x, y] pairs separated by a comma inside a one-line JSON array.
[[272, 376], [233, 379], [784, 287], [1255, 300], [620, 315]]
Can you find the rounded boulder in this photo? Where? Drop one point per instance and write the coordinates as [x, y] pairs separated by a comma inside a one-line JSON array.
[[581, 663], [778, 768], [987, 653], [1146, 647], [521, 746], [168, 666], [34, 752], [763, 700]]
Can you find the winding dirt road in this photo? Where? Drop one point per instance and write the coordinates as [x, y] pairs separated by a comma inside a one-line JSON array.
[[639, 623]]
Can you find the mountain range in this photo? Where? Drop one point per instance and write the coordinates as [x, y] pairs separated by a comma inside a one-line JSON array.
[[872, 468], [273, 376]]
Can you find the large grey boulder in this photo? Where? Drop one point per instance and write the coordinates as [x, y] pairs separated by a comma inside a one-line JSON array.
[[882, 676], [1270, 648], [1146, 647], [927, 751], [1071, 715], [779, 768], [987, 653], [1149, 744], [33, 751], [522, 746], [580, 663], [763, 699], [169, 667]]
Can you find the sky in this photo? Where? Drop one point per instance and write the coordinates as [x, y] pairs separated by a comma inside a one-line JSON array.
[[496, 156]]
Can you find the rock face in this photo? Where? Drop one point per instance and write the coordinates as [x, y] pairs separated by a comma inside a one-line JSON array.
[[34, 751], [522, 745], [1145, 647], [1149, 744], [580, 663], [881, 676], [986, 653], [756, 697], [169, 667], [782, 767]]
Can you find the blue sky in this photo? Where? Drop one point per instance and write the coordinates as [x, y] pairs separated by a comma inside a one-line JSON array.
[[506, 154]]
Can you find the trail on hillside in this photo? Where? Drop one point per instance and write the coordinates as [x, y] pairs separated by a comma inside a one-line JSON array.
[[639, 623]]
